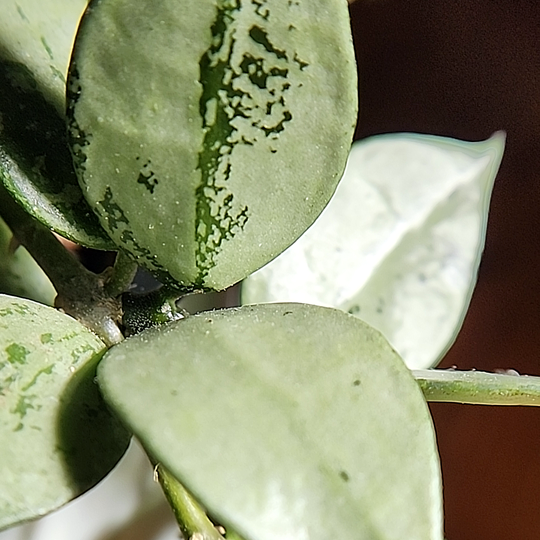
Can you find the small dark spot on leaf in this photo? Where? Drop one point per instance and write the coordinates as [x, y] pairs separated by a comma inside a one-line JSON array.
[[344, 476], [287, 313], [46, 338], [147, 177], [303, 65], [356, 382], [91, 412]]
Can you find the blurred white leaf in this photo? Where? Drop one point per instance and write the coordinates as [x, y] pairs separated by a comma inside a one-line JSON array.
[[399, 244]]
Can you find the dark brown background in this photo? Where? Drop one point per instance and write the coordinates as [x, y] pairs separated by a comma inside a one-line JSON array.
[[465, 68]]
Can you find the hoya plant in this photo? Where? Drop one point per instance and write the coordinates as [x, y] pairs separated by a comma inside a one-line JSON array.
[[200, 141]]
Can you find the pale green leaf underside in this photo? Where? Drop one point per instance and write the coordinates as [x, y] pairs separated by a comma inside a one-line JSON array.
[[209, 135], [35, 164], [478, 387], [58, 438], [20, 275], [286, 420], [399, 244]]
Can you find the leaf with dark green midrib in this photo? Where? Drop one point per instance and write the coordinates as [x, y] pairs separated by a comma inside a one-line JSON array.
[[223, 104], [230, 120]]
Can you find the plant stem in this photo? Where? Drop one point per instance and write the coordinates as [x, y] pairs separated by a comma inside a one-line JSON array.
[[55, 260], [478, 387], [122, 275], [81, 293], [149, 310], [192, 520]]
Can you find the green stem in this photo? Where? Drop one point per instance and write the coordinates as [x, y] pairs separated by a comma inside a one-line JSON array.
[[122, 275], [81, 293], [192, 520], [478, 387], [60, 266]]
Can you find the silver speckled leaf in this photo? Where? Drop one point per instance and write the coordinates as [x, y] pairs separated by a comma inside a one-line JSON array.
[[57, 437], [209, 135]]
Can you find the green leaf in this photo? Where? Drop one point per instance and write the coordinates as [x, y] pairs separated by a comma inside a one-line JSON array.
[[38, 34], [58, 438], [400, 243], [285, 420], [20, 275], [479, 387], [35, 163], [209, 135]]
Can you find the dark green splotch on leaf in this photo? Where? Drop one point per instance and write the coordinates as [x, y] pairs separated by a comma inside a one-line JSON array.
[[115, 216], [111, 210], [24, 403], [48, 49], [78, 138], [260, 36], [17, 353], [18, 308], [44, 371], [46, 338], [147, 177]]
